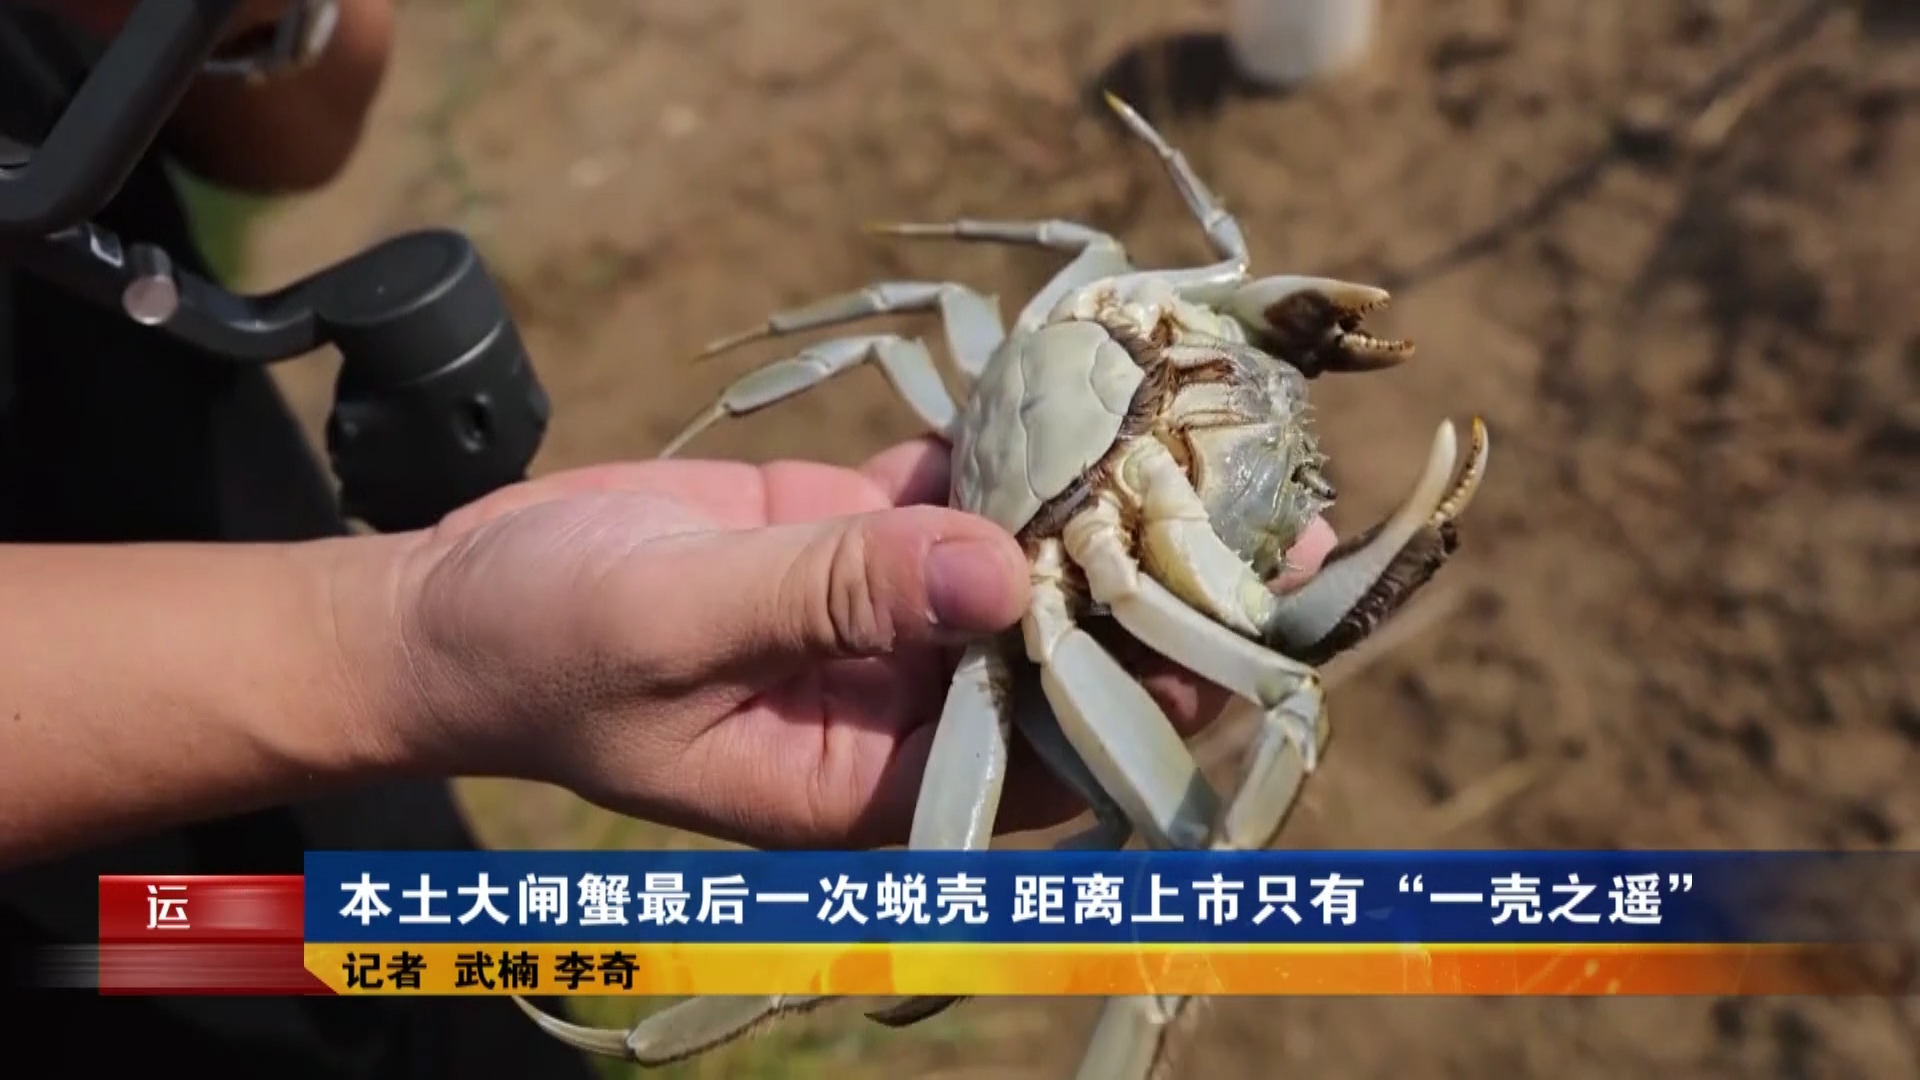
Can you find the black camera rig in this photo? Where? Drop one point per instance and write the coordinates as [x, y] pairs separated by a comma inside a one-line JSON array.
[[436, 403]]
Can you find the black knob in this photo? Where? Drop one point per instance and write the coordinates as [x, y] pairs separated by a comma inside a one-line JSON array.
[[436, 404]]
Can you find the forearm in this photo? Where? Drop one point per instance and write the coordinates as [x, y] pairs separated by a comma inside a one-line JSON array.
[[296, 132], [144, 686]]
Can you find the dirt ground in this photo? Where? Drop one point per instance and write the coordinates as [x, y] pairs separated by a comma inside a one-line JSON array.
[[1666, 247]]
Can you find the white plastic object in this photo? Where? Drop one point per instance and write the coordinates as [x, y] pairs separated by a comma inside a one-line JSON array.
[[1282, 43]]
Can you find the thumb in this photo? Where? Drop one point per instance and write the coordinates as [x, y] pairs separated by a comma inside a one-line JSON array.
[[856, 586]]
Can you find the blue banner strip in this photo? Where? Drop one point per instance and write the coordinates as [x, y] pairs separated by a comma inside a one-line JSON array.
[[1278, 897]]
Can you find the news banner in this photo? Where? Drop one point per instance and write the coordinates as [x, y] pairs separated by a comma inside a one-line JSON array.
[[1022, 923]]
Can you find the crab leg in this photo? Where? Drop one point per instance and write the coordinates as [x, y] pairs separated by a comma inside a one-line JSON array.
[[971, 321], [960, 793], [1127, 1039], [1131, 1038], [1132, 750], [1119, 733], [907, 364], [1128, 1042], [1096, 254], [985, 690], [1040, 726], [1223, 230], [1103, 256]]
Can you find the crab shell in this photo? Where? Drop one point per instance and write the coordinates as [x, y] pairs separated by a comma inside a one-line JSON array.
[[1046, 410]]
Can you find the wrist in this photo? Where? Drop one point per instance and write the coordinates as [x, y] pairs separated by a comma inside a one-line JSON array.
[[155, 684], [389, 709]]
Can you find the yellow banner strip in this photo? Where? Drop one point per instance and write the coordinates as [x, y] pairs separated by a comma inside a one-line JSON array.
[[684, 970]]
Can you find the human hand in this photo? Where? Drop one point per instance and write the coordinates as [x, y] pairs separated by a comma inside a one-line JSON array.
[[758, 653]]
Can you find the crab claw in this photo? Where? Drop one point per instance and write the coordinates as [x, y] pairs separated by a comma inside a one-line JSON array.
[[1314, 323], [1371, 575]]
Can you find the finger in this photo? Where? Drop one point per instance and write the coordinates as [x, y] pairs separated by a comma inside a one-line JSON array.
[[1033, 797], [1188, 700], [911, 473], [886, 818], [730, 495], [731, 488], [515, 497], [762, 601], [1306, 555]]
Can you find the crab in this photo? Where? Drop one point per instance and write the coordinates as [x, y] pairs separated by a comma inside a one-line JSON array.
[[1145, 435]]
